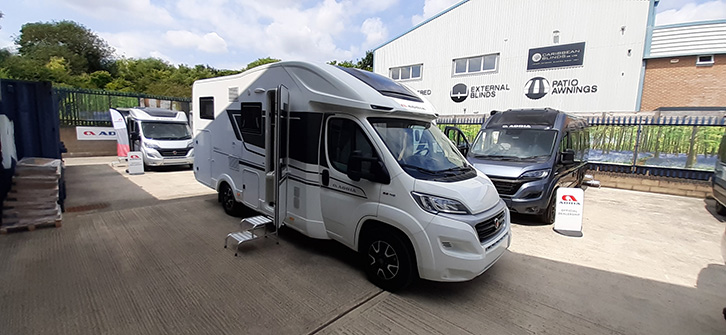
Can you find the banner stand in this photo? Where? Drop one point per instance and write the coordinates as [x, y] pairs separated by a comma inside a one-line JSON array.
[[569, 204]]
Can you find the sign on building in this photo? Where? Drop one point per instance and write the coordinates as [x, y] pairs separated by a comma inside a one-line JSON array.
[[556, 56]]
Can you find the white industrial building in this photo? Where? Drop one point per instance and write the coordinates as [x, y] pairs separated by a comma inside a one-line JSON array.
[[483, 55]]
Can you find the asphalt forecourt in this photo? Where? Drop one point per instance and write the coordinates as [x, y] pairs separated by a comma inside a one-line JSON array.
[[147, 257]]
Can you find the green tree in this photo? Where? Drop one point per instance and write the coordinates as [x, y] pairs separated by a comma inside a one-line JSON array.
[[366, 63], [82, 49], [347, 63], [261, 61]]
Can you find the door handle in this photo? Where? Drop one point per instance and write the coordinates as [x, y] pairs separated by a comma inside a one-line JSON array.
[[325, 177]]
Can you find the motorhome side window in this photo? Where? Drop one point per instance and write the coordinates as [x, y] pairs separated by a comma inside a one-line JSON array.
[[206, 108], [248, 123], [344, 137]]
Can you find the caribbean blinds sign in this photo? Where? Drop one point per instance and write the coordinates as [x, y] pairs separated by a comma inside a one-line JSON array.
[[556, 56]]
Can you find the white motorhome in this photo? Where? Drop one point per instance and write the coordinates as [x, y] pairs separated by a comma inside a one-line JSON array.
[[349, 155], [162, 135]]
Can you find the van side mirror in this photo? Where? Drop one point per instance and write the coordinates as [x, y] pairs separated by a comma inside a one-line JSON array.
[[567, 156], [134, 135], [369, 168]]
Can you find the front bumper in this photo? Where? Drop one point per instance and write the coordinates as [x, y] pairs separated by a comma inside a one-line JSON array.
[[457, 253], [153, 158]]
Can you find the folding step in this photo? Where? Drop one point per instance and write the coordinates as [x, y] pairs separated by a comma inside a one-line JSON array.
[[241, 237], [257, 221], [253, 224]]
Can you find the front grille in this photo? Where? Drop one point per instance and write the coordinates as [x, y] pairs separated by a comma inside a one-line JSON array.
[[173, 152], [491, 226], [507, 187]]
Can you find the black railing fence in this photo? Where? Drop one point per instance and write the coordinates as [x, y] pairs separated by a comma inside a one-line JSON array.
[[82, 107], [678, 144]]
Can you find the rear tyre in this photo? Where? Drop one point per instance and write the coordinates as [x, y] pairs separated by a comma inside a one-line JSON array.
[[388, 259], [230, 205], [720, 209]]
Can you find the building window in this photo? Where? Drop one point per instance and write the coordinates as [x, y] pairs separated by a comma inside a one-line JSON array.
[[704, 60], [485, 63], [406, 72], [206, 108]]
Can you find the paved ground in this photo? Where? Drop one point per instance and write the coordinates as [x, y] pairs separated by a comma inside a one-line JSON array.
[[152, 262]]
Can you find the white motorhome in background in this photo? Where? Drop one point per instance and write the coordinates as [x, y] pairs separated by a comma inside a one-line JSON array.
[[162, 135], [349, 155]]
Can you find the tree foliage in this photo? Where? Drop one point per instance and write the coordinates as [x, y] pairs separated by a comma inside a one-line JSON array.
[[83, 50], [70, 55], [261, 61]]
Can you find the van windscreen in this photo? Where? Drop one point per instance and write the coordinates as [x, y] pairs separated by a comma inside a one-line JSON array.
[[514, 144], [382, 84]]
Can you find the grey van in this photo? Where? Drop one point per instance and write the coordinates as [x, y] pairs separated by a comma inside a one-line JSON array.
[[528, 154], [718, 181]]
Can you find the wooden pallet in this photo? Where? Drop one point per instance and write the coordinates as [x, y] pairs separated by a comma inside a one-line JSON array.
[[29, 227]]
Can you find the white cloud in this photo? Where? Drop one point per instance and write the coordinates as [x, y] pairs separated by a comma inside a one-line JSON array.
[[210, 42], [160, 55], [375, 6], [431, 8], [692, 12], [130, 12], [374, 30], [132, 44]]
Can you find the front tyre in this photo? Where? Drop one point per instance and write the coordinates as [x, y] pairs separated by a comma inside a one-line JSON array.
[[229, 203], [720, 209], [389, 261]]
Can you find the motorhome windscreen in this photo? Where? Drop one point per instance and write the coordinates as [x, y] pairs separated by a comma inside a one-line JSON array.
[[523, 118], [165, 130], [421, 149], [383, 85], [514, 144]]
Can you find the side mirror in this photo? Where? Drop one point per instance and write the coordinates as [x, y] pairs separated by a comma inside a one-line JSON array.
[[369, 168], [134, 135], [463, 148], [567, 156]]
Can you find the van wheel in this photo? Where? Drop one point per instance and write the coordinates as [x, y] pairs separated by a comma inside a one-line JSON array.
[[720, 209], [230, 205], [389, 261], [548, 216]]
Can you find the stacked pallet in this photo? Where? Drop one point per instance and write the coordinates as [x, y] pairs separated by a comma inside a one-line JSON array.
[[33, 198]]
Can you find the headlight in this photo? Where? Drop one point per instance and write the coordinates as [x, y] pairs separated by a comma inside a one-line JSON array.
[[435, 205], [151, 145], [538, 174], [190, 145]]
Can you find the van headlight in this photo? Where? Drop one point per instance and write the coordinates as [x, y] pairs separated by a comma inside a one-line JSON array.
[[151, 145], [433, 204], [537, 174]]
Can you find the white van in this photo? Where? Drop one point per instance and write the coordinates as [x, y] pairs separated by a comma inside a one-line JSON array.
[[349, 155], [162, 135]]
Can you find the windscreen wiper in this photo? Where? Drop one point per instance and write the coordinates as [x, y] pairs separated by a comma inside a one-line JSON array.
[[419, 169], [500, 157], [456, 169]]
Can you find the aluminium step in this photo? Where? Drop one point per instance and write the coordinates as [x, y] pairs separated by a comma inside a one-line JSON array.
[[257, 221], [241, 237]]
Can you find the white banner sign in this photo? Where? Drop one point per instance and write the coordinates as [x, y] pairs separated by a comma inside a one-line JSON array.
[[136, 162], [95, 133], [568, 215]]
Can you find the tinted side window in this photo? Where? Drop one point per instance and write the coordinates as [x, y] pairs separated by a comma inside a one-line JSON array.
[[344, 137], [722, 150], [206, 108], [250, 121]]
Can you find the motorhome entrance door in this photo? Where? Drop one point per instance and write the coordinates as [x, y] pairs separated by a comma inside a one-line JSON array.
[[282, 147]]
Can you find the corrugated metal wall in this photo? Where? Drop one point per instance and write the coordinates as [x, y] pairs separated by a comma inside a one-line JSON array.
[[614, 33], [688, 40]]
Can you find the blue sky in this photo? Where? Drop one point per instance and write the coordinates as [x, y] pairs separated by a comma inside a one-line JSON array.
[[231, 33]]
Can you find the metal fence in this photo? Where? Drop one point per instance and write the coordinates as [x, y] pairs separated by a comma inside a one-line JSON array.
[[678, 146], [82, 107]]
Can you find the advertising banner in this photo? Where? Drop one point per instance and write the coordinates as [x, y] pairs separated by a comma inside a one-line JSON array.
[[95, 134], [136, 162], [122, 135], [568, 215], [556, 56]]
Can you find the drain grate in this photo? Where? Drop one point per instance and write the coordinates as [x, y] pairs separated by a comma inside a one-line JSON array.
[[84, 208]]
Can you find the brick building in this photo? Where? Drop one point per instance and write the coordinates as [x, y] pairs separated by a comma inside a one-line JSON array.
[[685, 66]]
